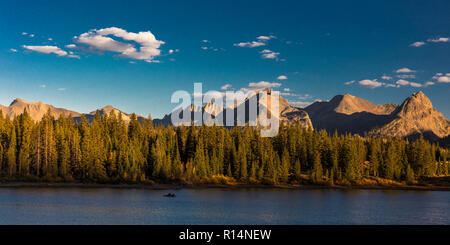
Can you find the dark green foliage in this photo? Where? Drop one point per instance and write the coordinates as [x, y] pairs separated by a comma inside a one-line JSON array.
[[108, 149]]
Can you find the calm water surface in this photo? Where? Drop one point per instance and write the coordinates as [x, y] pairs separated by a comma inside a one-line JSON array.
[[221, 206]]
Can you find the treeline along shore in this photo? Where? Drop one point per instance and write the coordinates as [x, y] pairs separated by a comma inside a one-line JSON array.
[[107, 150]]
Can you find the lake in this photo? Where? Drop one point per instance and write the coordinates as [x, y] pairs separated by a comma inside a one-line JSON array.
[[38, 205]]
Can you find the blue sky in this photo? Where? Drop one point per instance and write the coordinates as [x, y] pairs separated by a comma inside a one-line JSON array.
[[322, 48]]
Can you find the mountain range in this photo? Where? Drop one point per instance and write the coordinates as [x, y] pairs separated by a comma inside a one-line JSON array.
[[287, 113], [38, 109], [343, 113], [414, 117]]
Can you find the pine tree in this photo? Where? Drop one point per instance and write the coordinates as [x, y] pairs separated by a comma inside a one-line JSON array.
[[409, 175], [11, 154], [24, 155], [317, 171], [285, 166], [298, 169]]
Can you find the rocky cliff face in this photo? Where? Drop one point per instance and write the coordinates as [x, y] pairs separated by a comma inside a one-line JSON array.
[[107, 110], [36, 110], [414, 117], [288, 113]]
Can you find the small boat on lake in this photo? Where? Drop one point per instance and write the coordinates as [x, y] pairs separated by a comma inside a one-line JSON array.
[[170, 195]]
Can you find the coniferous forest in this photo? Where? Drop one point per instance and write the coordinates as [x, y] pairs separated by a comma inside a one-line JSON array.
[[107, 149]]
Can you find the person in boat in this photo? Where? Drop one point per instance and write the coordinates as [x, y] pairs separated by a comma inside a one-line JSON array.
[[170, 195]]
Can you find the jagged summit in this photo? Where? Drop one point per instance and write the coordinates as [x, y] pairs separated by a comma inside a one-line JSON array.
[[107, 110], [417, 102], [35, 109], [108, 107], [348, 113], [416, 116], [213, 108], [19, 101], [287, 112]]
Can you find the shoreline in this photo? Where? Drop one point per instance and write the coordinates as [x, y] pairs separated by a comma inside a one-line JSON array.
[[217, 186]]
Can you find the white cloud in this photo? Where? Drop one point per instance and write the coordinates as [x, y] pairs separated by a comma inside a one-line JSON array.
[[72, 55], [303, 97], [101, 40], [404, 76], [204, 48], [301, 104], [72, 46], [416, 85], [261, 41], [405, 70], [206, 41], [282, 77], [392, 85], [13, 50], [268, 54], [252, 44], [444, 79], [61, 89], [47, 50], [370, 83], [153, 61], [264, 84], [287, 89], [439, 40], [384, 77], [350, 82], [402, 82], [441, 78], [27, 34], [50, 39], [42, 86], [265, 38], [430, 40], [51, 50], [226, 86], [417, 44]]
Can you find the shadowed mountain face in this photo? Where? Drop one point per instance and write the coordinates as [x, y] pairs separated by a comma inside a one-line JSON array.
[[36, 110], [414, 117], [347, 113]]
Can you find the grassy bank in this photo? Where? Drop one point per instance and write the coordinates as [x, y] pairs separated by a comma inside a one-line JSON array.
[[426, 184]]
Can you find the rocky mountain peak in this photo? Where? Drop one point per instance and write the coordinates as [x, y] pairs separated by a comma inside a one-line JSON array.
[[18, 101], [415, 106]]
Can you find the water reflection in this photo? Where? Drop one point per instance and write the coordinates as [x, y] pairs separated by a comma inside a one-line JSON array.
[[221, 206]]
